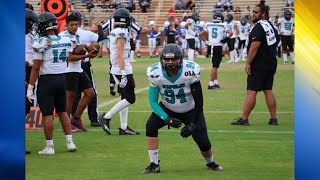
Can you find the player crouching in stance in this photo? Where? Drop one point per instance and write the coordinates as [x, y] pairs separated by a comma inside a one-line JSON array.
[[51, 54], [178, 83]]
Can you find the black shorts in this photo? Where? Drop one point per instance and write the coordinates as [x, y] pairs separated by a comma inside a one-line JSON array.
[[242, 44], [231, 43], [260, 80], [51, 93], [128, 91], [191, 43], [132, 45], [158, 41], [155, 122], [216, 56], [287, 42], [77, 81]]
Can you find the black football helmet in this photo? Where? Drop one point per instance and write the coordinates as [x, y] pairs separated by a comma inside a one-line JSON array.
[[122, 17], [287, 14], [218, 17], [47, 21], [171, 52], [76, 13], [243, 21], [229, 17], [31, 19], [195, 16]]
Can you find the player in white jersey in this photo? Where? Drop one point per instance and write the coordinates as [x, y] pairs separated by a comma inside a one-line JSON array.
[[178, 84], [184, 43], [77, 80], [49, 67], [286, 33], [88, 37], [122, 71], [276, 23], [31, 19], [190, 34], [214, 34], [152, 34], [244, 28], [231, 25]]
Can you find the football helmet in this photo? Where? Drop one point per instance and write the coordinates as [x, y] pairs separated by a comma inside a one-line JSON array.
[[243, 21], [202, 24], [47, 21], [287, 14], [229, 17], [171, 57], [76, 13], [122, 17], [183, 24], [218, 17], [31, 19], [195, 16], [166, 23], [152, 23]]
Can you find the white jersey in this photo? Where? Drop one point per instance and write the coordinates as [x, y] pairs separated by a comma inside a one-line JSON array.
[[87, 37], [232, 27], [244, 31], [175, 91], [286, 27], [191, 30], [120, 33], [74, 66], [54, 52], [216, 32], [29, 40]]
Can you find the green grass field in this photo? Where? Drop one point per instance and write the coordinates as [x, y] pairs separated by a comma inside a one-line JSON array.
[[259, 151]]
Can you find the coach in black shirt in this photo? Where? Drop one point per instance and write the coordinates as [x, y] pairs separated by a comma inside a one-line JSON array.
[[261, 64]]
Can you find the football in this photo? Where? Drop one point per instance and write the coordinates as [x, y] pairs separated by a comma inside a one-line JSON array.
[[80, 49], [94, 47]]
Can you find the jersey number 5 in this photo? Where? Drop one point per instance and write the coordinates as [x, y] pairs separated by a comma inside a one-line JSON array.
[[214, 32], [171, 97]]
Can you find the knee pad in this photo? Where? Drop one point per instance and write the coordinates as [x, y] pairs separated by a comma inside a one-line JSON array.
[[151, 132], [204, 146]]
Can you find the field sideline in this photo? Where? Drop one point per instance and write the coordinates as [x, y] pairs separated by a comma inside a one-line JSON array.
[[259, 151]]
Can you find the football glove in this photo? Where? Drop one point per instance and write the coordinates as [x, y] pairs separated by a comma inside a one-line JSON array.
[[174, 122], [30, 93], [123, 81], [224, 40], [188, 130]]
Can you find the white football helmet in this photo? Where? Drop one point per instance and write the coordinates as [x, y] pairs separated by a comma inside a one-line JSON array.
[[152, 23], [183, 24], [166, 23], [202, 24]]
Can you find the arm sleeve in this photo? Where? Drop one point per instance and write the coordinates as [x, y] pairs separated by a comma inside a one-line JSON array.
[[196, 92], [153, 100]]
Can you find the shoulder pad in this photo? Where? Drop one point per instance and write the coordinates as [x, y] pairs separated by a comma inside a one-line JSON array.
[[40, 44], [154, 71]]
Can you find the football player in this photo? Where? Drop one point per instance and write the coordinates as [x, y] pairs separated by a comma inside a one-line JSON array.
[[214, 35], [31, 20], [178, 83], [231, 25], [286, 34], [88, 37], [122, 71], [244, 28], [77, 80], [49, 67], [190, 35], [182, 35], [153, 33]]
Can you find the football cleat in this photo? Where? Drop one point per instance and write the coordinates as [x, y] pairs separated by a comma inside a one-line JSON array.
[[128, 131], [105, 124], [152, 168], [112, 90], [47, 150], [95, 124], [71, 147], [214, 166], [75, 129], [240, 121], [215, 86], [273, 121], [78, 124]]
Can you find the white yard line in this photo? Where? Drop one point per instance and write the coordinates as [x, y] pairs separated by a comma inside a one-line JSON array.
[[115, 132]]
